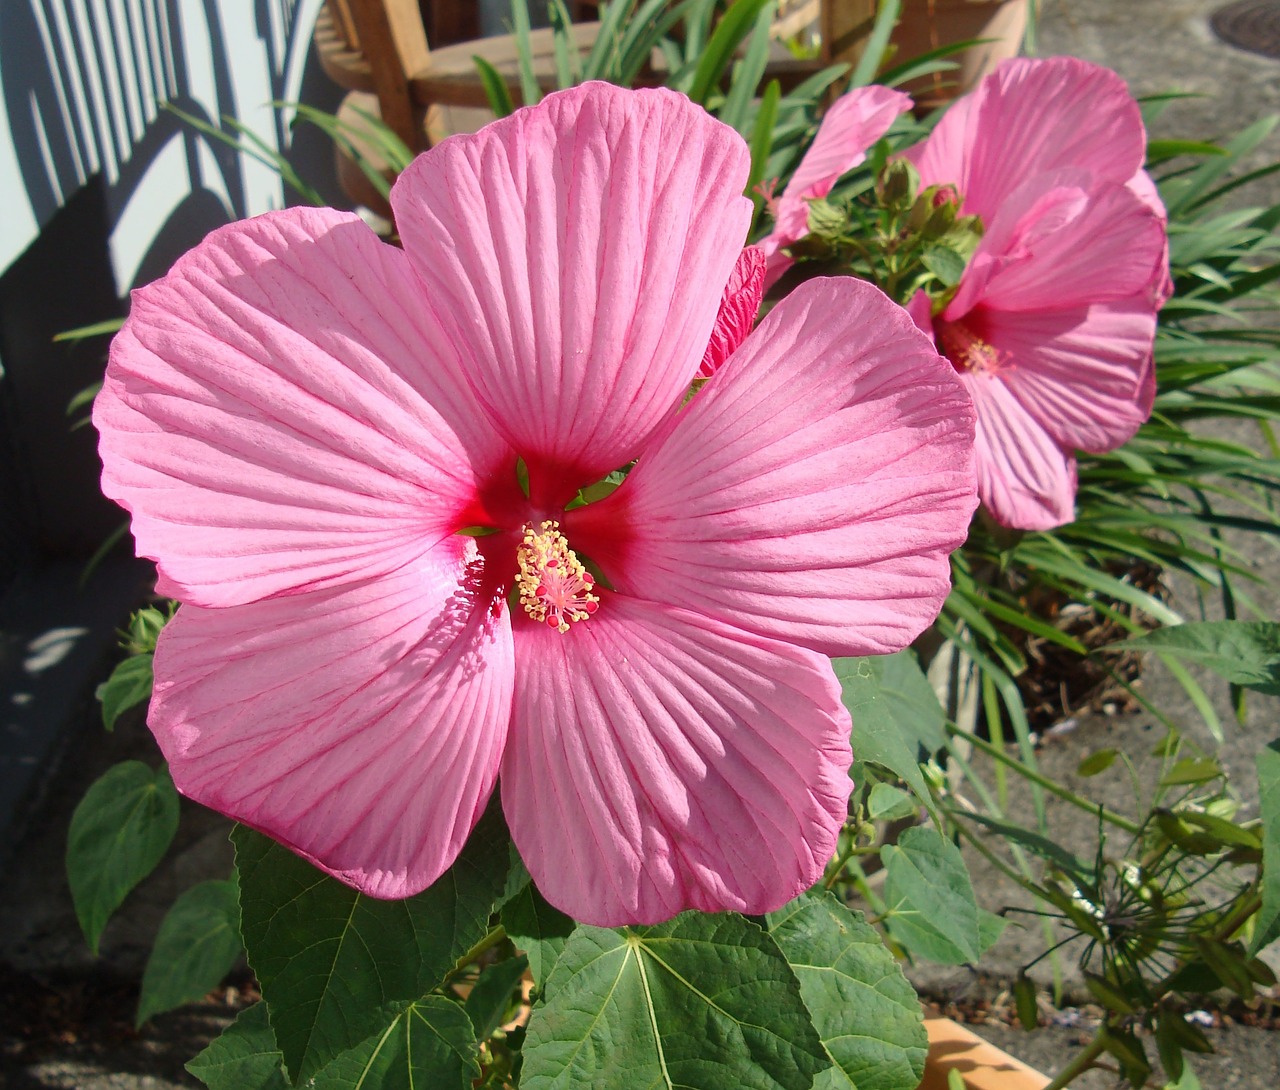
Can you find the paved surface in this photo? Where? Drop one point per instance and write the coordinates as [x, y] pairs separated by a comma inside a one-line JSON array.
[[80, 1010]]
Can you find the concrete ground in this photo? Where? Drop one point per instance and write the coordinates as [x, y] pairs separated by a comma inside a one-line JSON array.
[[67, 1018]]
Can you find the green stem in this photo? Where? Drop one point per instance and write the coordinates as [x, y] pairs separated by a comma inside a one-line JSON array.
[[487, 943], [1028, 773], [1082, 1062]]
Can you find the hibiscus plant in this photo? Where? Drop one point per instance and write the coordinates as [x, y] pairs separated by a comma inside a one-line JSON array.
[[606, 613]]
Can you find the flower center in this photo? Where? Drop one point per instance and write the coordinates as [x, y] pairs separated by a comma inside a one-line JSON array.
[[966, 350], [555, 589]]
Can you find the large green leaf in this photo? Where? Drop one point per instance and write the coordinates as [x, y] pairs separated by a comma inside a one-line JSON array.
[[129, 684], [428, 1046], [933, 912], [119, 832], [537, 928], [198, 944], [1246, 653], [332, 962], [1267, 928], [896, 714], [701, 1001], [243, 1057], [864, 1010]]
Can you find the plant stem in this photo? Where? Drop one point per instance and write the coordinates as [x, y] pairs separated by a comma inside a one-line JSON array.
[[1082, 1062], [1065, 793], [488, 942]]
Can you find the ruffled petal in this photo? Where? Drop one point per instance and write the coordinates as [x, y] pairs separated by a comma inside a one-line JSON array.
[[276, 417], [1030, 116], [361, 727], [576, 252], [1061, 242], [1082, 375], [661, 761], [854, 122], [738, 309], [812, 491], [1025, 480]]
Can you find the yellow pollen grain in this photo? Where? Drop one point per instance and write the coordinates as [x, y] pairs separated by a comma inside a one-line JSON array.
[[555, 588]]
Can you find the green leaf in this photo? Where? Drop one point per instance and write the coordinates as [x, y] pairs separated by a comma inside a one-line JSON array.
[[944, 263], [1096, 762], [428, 1046], [895, 712], [734, 25], [702, 1000], [495, 88], [933, 911], [332, 962], [1080, 872], [129, 684], [119, 832], [243, 1057], [887, 803], [864, 1010], [491, 997], [198, 944], [1267, 924], [537, 928], [877, 43], [1191, 770], [1244, 652]]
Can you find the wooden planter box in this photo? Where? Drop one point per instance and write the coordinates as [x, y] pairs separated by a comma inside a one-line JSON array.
[[981, 1065]]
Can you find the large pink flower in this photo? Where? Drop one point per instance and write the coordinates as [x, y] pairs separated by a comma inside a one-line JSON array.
[[1053, 323], [854, 122], [304, 421]]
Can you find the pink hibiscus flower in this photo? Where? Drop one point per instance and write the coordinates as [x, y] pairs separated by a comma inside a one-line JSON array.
[[854, 122], [1052, 326], [355, 467]]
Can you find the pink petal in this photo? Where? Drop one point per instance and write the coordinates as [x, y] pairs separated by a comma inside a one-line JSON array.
[[661, 761], [1026, 481], [276, 414], [1082, 375], [812, 491], [1030, 116], [1061, 242], [576, 252], [920, 309], [738, 309], [854, 122], [361, 727], [1144, 188]]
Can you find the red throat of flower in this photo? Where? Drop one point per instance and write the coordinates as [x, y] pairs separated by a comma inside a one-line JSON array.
[[966, 350], [555, 589]]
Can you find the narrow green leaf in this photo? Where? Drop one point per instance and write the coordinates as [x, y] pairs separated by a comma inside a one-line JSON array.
[[428, 1046], [97, 329], [119, 832], [762, 138], [1191, 770], [495, 87], [1096, 762], [734, 25], [129, 685], [1267, 924], [705, 1001], [530, 92], [243, 1057], [877, 43], [932, 908], [493, 993], [332, 962], [198, 944], [864, 1010], [1244, 652], [748, 72], [1080, 872]]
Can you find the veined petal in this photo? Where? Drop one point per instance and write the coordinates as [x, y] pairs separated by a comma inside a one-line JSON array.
[[812, 491], [1061, 241], [275, 415], [738, 309], [1082, 374], [661, 761], [854, 122], [1031, 116], [361, 727], [576, 252], [1025, 480]]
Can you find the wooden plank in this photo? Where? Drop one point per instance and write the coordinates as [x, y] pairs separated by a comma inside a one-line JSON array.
[[980, 1064]]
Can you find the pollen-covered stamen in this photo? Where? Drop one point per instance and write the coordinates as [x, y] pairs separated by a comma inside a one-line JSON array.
[[966, 350], [554, 587]]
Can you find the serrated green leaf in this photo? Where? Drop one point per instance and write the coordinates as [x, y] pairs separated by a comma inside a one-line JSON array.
[[537, 928], [1267, 924], [491, 997], [332, 962], [119, 832], [864, 1010], [930, 897], [896, 714], [702, 1000], [243, 1057], [1246, 653], [198, 944], [429, 1045], [129, 684]]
